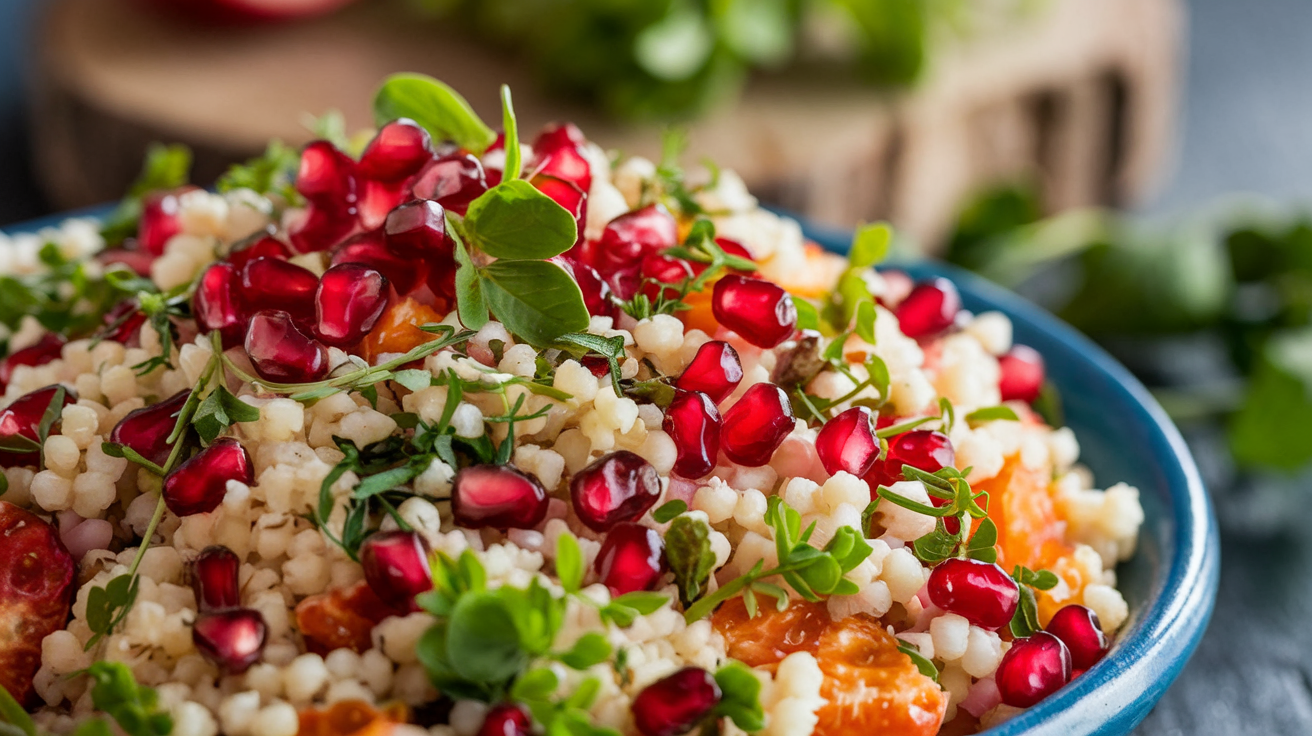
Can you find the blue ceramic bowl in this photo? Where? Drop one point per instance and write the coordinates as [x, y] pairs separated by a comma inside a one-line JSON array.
[[1124, 435]]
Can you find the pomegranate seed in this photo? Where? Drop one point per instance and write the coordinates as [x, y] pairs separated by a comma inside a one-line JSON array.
[[618, 487], [567, 195], [326, 176], [418, 229], [497, 496], [929, 310], [506, 719], [396, 567], [400, 149], [629, 238], [597, 293], [232, 640], [23, 417], [123, 324], [350, 299], [48, 348], [558, 150], [665, 270], [369, 249], [847, 443], [630, 559], [897, 285], [980, 592], [159, 219], [214, 575], [1080, 630], [281, 352], [147, 430], [1022, 374], [715, 371], [756, 425], [760, 312], [377, 199], [38, 580], [265, 246], [676, 704], [453, 181], [693, 422], [322, 227], [198, 485], [1034, 668], [270, 283], [217, 303], [923, 449]]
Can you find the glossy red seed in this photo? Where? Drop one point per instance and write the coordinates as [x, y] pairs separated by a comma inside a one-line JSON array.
[[159, 219], [272, 283], [282, 353], [929, 310], [198, 485], [214, 577], [676, 704], [123, 324], [217, 303], [453, 181], [326, 175], [322, 227], [23, 417], [264, 246], [629, 238], [925, 449], [348, 302], [760, 312], [847, 443], [506, 719], [377, 199], [897, 285], [659, 269], [618, 487], [715, 371], [232, 640], [48, 348], [399, 149], [1034, 668], [631, 558], [147, 430], [1022, 374], [981, 592], [693, 422], [597, 293], [396, 567], [567, 195], [558, 153], [754, 427], [1080, 630], [369, 249], [497, 497], [417, 229]]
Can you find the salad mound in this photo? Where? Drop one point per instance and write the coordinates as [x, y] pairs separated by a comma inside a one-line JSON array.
[[436, 430]]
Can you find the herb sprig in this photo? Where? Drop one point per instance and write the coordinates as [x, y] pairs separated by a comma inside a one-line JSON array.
[[134, 708]]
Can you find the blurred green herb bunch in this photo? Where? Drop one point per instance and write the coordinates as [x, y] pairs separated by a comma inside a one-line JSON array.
[[674, 58]]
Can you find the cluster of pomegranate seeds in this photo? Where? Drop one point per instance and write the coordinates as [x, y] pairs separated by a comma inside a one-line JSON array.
[[506, 719], [761, 312], [676, 704], [281, 352], [1080, 630], [693, 422], [980, 592], [625, 243], [929, 310], [560, 170], [631, 558], [754, 427], [848, 443], [349, 299], [23, 418], [159, 219], [1022, 374], [497, 497], [396, 567], [48, 348], [280, 285], [263, 245], [198, 485], [658, 269], [38, 578], [1034, 668], [715, 371], [621, 486], [925, 449], [233, 639], [146, 430], [214, 577]]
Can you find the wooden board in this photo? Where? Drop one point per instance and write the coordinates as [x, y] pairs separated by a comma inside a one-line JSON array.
[[1081, 97]]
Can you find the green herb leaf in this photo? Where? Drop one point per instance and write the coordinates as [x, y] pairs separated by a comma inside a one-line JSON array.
[[115, 450], [13, 714], [688, 552], [808, 317], [569, 563], [510, 127], [482, 640], [536, 300], [470, 300], [134, 708], [108, 606], [590, 649], [991, 414], [668, 510], [925, 666], [436, 107], [983, 543], [166, 167], [865, 321], [870, 245], [741, 696], [219, 411], [516, 221], [414, 379], [272, 173]]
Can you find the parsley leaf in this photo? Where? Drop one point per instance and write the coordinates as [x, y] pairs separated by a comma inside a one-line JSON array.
[[219, 411], [688, 553]]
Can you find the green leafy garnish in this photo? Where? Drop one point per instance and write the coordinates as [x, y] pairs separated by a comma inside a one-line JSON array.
[[688, 553], [273, 173], [1026, 619], [134, 708], [669, 510], [922, 663], [741, 697], [991, 414], [219, 411], [436, 107]]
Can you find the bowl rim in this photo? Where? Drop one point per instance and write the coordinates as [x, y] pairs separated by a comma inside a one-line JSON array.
[[1141, 667]]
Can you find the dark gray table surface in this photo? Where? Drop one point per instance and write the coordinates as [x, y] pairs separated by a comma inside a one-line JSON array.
[[1247, 126]]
